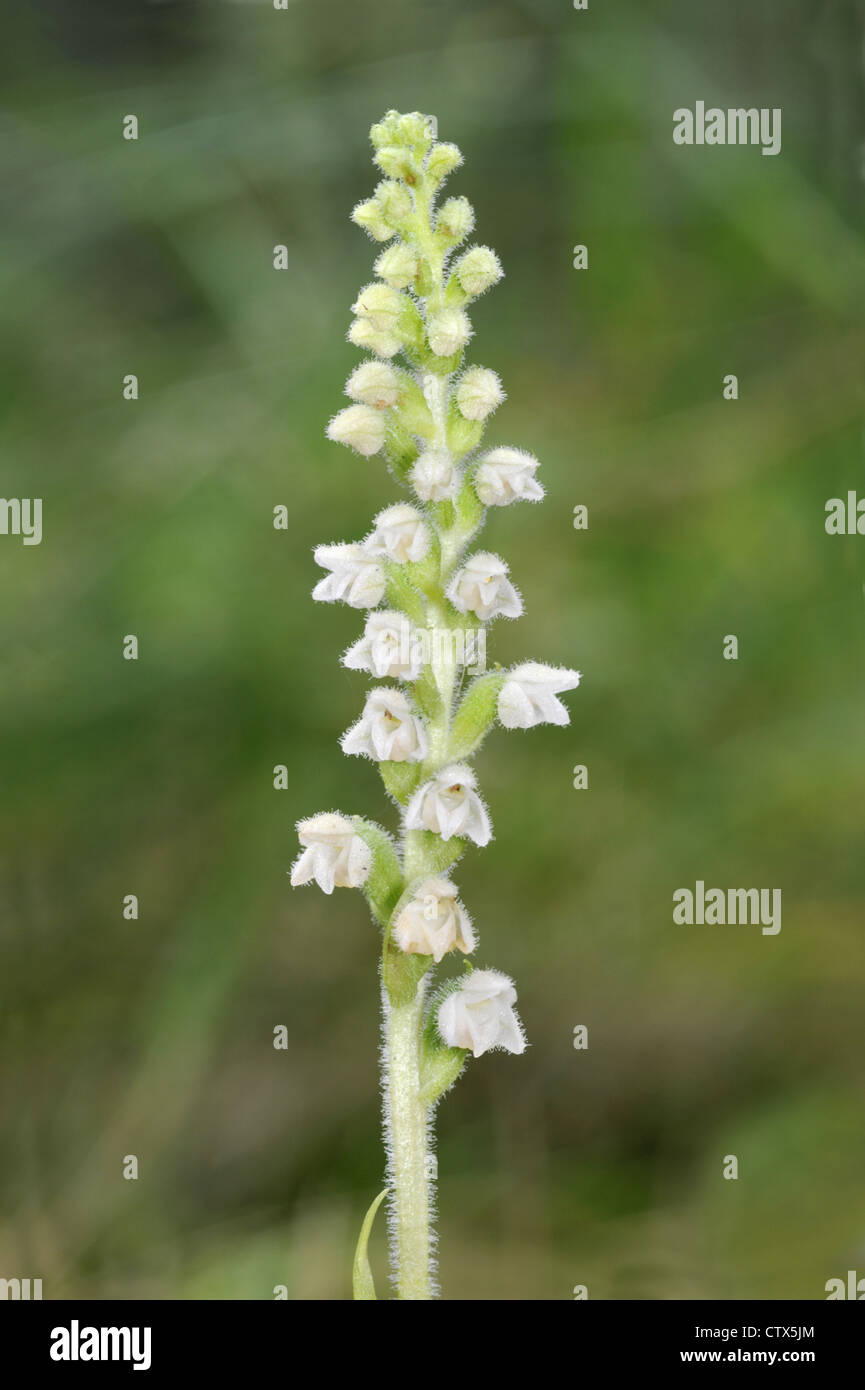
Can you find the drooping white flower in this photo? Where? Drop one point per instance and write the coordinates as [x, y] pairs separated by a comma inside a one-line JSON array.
[[400, 533], [482, 587], [388, 731], [507, 475], [355, 578], [449, 805], [358, 426], [375, 384], [479, 1015], [478, 392], [434, 476], [387, 648], [528, 696], [333, 853], [448, 331], [478, 270], [434, 922]]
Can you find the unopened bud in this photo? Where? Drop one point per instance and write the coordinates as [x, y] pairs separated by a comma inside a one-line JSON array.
[[397, 266], [455, 220], [360, 427], [375, 384], [448, 331], [478, 393], [478, 270]]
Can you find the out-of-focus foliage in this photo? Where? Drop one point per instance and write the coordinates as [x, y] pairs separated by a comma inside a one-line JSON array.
[[154, 1037]]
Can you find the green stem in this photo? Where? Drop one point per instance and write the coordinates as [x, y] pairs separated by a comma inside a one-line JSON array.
[[408, 1175]]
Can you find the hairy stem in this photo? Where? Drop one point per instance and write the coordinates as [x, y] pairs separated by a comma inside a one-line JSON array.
[[408, 1175]]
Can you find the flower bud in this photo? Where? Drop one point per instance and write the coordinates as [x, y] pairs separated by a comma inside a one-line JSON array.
[[478, 393], [448, 331], [478, 270], [364, 335], [398, 266], [375, 384], [434, 477], [395, 202], [380, 305], [434, 922], [369, 216], [441, 161], [455, 220], [397, 163], [360, 427]]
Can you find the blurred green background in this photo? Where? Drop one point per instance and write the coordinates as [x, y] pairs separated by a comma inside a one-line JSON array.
[[154, 1037]]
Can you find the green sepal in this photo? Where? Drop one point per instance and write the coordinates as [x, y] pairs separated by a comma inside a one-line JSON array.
[[424, 278], [362, 1283], [469, 508], [427, 695], [384, 883], [400, 779], [476, 714], [442, 366], [410, 327], [402, 594], [424, 574], [436, 855], [400, 449], [443, 514], [463, 435]]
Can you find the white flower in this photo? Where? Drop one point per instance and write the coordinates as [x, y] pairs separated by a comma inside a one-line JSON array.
[[398, 265], [448, 331], [449, 805], [478, 392], [434, 476], [333, 854], [380, 305], [483, 588], [356, 577], [479, 1014], [528, 696], [364, 335], [386, 649], [375, 384], [388, 730], [434, 922], [478, 270], [507, 475], [358, 426], [400, 534]]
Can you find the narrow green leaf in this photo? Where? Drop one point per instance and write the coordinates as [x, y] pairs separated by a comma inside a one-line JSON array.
[[384, 882], [363, 1285], [475, 715]]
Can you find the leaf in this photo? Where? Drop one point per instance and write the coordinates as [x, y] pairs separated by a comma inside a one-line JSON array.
[[400, 779], [384, 882], [476, 715], [362, 1283]]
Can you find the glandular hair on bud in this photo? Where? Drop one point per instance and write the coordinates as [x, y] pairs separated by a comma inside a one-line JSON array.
[[375, 384], [381, 305], [478, 270], [364, 335], [455, 220], [395, 201], [442, 160], [368, 215], [448, 331], [397, 266], [478, 393]]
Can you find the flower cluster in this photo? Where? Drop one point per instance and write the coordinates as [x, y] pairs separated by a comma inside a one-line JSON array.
[[419, 406]]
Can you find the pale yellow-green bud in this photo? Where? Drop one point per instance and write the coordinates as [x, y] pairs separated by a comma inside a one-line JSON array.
[[442, 160], [375, 384], [381, 305], [478, 270], [448, 331], [478, 393], [369, 216], [455, 220], [360, 427], [411, 129], [398, 163], [364, 335], [395, 202], [398, 265]]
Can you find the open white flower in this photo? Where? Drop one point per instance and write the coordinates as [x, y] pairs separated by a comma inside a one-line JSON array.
[[478, 392], [507, 475], [482, 587], [479, 1014], [360, 427], [355, 578], [434, 922], [434, 476], [333, 853], [388, 731], [450, 805], [387, 648], [400, 534], [528, 696]]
